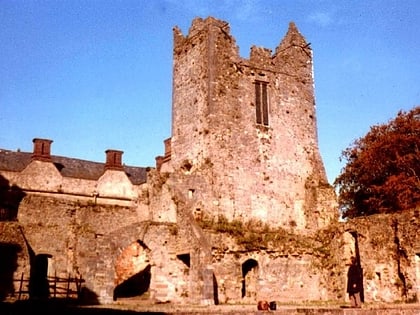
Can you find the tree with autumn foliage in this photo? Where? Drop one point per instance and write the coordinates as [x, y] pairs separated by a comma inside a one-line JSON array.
[[382, 171]]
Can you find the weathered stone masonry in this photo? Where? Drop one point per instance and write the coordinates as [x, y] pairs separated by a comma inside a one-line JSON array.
[[270, 171], [237, 209]]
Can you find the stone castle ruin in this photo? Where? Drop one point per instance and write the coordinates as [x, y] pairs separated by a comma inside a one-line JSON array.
[[238, 209]]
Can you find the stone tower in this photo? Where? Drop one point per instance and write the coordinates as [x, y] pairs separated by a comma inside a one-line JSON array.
[[244, 131]]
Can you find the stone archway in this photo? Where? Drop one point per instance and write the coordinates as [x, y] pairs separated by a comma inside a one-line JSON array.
[[249, 279], [132, 271], [161, 272]]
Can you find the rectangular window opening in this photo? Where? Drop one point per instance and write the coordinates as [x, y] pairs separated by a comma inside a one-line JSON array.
[[261, 103]]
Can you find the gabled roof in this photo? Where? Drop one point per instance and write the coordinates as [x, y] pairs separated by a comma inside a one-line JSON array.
[[68, 167]]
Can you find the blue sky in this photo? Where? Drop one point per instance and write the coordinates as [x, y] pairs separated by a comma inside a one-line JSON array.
[[93, 75]]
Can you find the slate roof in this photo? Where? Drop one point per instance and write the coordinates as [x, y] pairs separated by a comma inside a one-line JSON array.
[[68, 167]]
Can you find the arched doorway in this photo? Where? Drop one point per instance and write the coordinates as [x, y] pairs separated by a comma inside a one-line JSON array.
[[132, 271], [249, 279]]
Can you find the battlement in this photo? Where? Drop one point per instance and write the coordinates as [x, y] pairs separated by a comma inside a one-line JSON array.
[[243, 147], [253, 120]]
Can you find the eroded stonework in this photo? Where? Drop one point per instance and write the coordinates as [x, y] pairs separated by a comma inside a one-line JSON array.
[[238, 209], [270, 170]]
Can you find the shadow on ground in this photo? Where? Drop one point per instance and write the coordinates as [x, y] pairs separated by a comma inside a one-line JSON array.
[[56, 307]]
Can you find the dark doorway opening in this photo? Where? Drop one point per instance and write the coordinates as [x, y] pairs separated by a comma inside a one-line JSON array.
[[215, 291], [8, 265], [38, 281], [249, 277]]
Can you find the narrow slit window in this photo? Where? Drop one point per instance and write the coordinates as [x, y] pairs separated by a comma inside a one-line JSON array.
[[261, 103]]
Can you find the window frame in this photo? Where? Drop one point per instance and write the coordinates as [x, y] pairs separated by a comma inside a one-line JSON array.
[[261, 103]]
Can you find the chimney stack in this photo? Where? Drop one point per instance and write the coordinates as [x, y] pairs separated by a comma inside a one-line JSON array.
[[114, 160], [167, 157], [42, 150], [168, 149]]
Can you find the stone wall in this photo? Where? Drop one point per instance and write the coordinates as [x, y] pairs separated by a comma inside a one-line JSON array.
[[237, 210], [88, 240], [390, 255], [388, 246], [188, 264], [250, 169]]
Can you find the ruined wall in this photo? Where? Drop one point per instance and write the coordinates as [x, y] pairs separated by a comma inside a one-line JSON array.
[[389, 251], [219, 164], [251, 170], [169, 276], [87, 240], [277, 276], [83, 226], [192, 263], [388, 246], [69, 232], [257, 262], [159, 200]]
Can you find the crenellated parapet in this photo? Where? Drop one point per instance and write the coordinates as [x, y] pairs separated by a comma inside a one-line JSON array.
[[247, 128], [238, 203]]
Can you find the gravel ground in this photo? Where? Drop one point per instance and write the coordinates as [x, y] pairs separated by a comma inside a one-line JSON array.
[[135, 307]]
